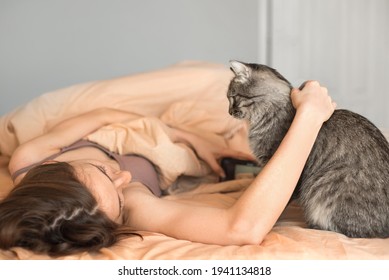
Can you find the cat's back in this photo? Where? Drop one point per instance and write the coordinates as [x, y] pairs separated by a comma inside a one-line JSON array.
[[348, 143], [350, 140], [348, 129]]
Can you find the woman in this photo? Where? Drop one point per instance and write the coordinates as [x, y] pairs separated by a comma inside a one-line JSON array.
[[73, 195]]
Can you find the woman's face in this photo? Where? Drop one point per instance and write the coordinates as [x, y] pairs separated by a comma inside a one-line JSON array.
[[106, 184]]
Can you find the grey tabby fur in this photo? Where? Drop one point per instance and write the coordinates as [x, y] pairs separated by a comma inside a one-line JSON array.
[[344, 186]]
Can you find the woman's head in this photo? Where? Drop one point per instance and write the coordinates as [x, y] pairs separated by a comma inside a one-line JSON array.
[[105, 183], [52, 211]]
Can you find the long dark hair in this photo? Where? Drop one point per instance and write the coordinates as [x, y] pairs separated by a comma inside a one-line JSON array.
[[51, 211]]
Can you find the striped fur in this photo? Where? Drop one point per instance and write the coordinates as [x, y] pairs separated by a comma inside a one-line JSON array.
[[344, 186]]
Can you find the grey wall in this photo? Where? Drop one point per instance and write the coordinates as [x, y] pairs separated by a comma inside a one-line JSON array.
[[49, 44]]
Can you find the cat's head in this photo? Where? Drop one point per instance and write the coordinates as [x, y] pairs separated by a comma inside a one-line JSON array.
[[255, 90]]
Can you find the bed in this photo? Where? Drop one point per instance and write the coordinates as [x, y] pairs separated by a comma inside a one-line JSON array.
[[190, 96]]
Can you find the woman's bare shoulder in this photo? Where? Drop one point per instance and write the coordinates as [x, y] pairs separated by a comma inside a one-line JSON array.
[[26, 155]]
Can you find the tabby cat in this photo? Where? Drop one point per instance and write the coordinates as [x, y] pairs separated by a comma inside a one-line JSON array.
[[344, 186]]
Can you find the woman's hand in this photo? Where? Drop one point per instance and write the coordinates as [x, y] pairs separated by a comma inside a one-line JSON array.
[[211, 154], [314, 100], [208, 151]]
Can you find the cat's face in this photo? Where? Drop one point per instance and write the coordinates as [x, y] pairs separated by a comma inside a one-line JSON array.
[[255, 89]]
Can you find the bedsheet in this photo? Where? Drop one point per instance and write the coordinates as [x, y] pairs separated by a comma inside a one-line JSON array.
[[190, 96]]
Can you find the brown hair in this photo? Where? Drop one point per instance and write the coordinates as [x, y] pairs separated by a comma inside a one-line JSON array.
[[51, 211]]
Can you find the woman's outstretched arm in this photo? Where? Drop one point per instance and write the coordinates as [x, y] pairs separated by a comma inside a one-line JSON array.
[[64, 134], [257, 210], [272, 188]]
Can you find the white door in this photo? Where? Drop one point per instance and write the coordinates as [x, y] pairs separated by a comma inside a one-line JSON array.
[[342, 43]]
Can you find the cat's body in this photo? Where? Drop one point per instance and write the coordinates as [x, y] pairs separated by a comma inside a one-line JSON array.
[[344, 186]]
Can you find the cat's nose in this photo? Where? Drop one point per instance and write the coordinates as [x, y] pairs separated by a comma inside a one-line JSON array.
[[235, 112]]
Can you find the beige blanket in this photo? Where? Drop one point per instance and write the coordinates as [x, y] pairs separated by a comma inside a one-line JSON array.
[[189, 96]]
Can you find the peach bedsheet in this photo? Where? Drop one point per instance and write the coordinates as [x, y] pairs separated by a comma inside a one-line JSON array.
[[190, 96]]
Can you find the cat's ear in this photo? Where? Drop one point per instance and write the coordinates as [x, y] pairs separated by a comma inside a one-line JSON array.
[[241, 71]]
